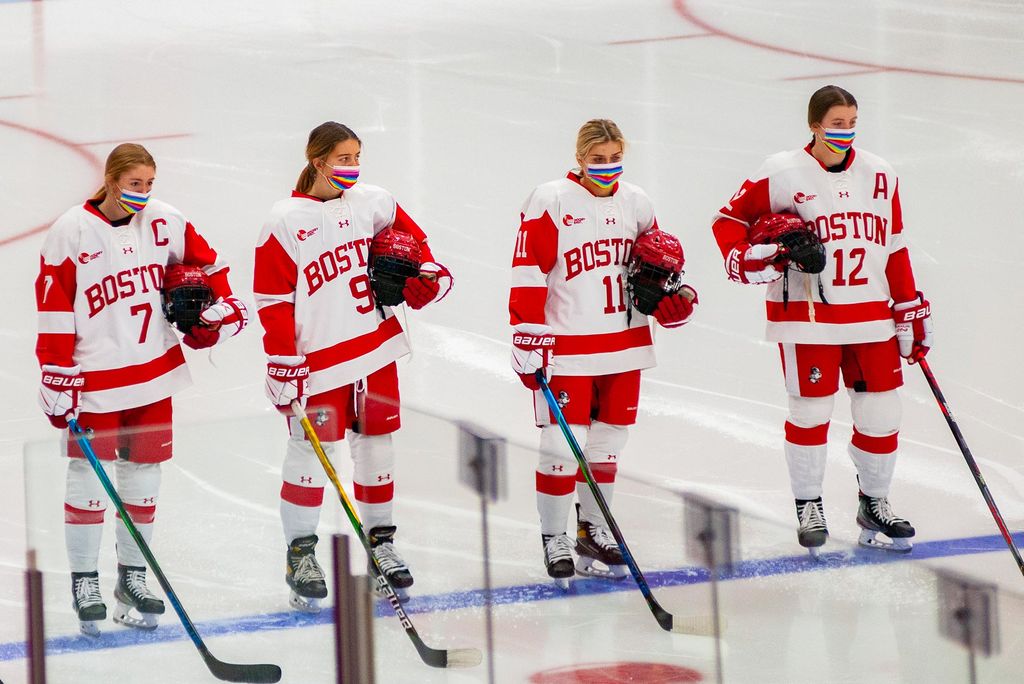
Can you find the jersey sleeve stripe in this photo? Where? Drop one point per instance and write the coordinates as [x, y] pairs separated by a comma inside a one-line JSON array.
[[528, 276], [264, 299], [56, 322]]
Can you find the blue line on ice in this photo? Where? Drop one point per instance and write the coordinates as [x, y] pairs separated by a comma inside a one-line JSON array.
[[526, 593]]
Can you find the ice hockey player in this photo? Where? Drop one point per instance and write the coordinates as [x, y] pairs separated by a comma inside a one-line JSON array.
[[590, 265], [822, 227], [331, 262], [111, 360]]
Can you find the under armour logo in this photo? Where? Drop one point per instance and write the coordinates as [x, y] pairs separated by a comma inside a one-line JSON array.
[[149, 500], [127, 250], [609, 221], [343, 224], [843, 194], [305, 479], [94, 503], [384, 478], [612, 457], [558, 468]]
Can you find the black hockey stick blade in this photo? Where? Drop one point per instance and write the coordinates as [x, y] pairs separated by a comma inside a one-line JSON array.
[[231, 672]]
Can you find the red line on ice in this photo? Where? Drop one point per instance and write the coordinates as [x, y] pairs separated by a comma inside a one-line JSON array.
[[144, 137], [89, 157], [837, 73], [682, 7]]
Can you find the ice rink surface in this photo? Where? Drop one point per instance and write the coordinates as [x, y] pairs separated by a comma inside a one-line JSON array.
[[464, 107]]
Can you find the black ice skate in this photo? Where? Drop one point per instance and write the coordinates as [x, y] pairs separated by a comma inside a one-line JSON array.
[[813, 531], [87, 602], [874, 515], [558, 558], [304, 575], [390, 563], [598, 553], [136, 605]]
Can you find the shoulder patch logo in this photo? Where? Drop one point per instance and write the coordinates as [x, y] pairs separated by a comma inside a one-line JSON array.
[[570, 220], [303, 234], [800, 198], [85, 257]]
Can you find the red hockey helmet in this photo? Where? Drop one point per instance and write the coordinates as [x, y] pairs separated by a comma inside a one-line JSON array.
[[186, 294], [654, 269], [394, 258]]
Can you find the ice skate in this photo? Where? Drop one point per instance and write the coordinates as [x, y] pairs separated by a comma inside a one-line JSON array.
[[304, 575], [558, 558], [388, 560], [813, 531], [598, 554], [87, 602], [136, 605], [874, 515]]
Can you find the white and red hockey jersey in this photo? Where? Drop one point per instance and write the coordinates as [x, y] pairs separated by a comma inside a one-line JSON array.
[[568, 271], [99, 302], [856, 213], [312, 287]]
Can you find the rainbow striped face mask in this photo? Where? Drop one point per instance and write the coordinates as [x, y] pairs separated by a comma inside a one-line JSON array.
[[133, 202], [838, 140], [604, 175], [343, 177]]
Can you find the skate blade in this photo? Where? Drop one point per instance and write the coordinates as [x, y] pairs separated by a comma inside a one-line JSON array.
[[593, 568], [868, 539], [129, 617], [90, 628], [304, 604], [561, 582]]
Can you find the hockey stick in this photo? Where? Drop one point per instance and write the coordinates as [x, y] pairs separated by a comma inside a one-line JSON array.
[[701, 625], [971, 463], [434, 657], [228, 672]]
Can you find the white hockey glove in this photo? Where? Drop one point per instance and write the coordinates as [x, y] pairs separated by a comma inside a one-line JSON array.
[[532, 347], [754, 264], [60, 393], [219, 321], [286, 381], [913, 327]]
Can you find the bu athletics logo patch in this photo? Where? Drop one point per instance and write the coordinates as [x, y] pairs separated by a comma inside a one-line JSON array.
[[800, 198], [570, 220], [303, 234], [85, 257]]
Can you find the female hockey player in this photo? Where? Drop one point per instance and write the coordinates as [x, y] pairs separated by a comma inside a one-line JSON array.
[[111, 360], [332, 340], [578, 315], [822, 227]]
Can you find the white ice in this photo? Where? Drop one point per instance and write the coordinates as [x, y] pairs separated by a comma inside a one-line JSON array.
[[463, 108]]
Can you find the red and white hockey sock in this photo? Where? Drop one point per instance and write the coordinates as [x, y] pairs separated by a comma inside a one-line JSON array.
[[302, 489], [806, 451], [373, 458], [605, 443], [138, 485], [85, 502], [875, 459], [556, 478]]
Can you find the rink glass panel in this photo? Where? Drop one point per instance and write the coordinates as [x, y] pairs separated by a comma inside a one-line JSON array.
[[218, 539]]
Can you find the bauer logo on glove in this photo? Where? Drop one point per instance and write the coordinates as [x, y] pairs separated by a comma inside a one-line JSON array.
[[186, 294], [654, 270]]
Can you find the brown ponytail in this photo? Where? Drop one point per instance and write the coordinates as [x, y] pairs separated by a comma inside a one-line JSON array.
[[322, 140], [123, 158]]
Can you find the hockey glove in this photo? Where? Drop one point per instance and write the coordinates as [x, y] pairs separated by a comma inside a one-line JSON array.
[[218, 322], [755, 264], [532, 347], [433, 283], [675, 310], [60, 393], [913, 327], [286, 381]]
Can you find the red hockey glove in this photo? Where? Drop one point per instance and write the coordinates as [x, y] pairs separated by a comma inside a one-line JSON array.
[[60, 393], [913, 327], [427, 288], [755, 264], [532, 347], [286, 381], [675, 310], [218, 321]]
